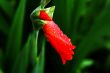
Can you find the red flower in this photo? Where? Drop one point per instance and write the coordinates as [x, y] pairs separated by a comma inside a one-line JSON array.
[[57, 39], [44, 16]]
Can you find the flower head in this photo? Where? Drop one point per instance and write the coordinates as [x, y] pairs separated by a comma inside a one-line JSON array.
[[42, 18], [57, 38]]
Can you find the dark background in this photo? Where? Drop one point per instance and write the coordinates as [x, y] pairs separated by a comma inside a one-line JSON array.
[[86, 22]]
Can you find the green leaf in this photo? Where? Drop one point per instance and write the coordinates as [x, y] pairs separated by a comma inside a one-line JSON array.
[[21, 62], [34, 46], [86, 63], [92, 9], [7, 7], [107, 44], [15, 35], [69, 5], [1, 71], [39, 68], [76, 13], [101, 27]]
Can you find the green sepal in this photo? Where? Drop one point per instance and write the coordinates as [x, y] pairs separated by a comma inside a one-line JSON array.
[[35, 13], [37, 24], [36, 21], [50, 11]]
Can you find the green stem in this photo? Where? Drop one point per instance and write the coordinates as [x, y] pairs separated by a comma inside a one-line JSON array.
[[34, 46], [39, 67], [43, 3], [35, 49]]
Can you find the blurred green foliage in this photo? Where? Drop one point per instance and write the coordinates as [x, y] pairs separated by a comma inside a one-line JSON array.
[[86, 22]]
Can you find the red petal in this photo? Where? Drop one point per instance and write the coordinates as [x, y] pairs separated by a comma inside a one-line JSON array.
[[44, 16], [59, 41]]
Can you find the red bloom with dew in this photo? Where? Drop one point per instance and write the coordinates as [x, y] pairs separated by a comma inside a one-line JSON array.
[[57, 38]]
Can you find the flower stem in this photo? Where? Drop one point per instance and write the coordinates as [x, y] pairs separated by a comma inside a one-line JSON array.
[[43, 3], [36, 46]]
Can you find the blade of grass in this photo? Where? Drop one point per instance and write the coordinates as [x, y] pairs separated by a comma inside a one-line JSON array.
[[88, 43], [21, 62], [86, 47], [86, 63], [7, 7], [107, 44], [34, 46], [68, 12], [15, 35], [93, 9], [39, 68], [78, 7], [1, 71]]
